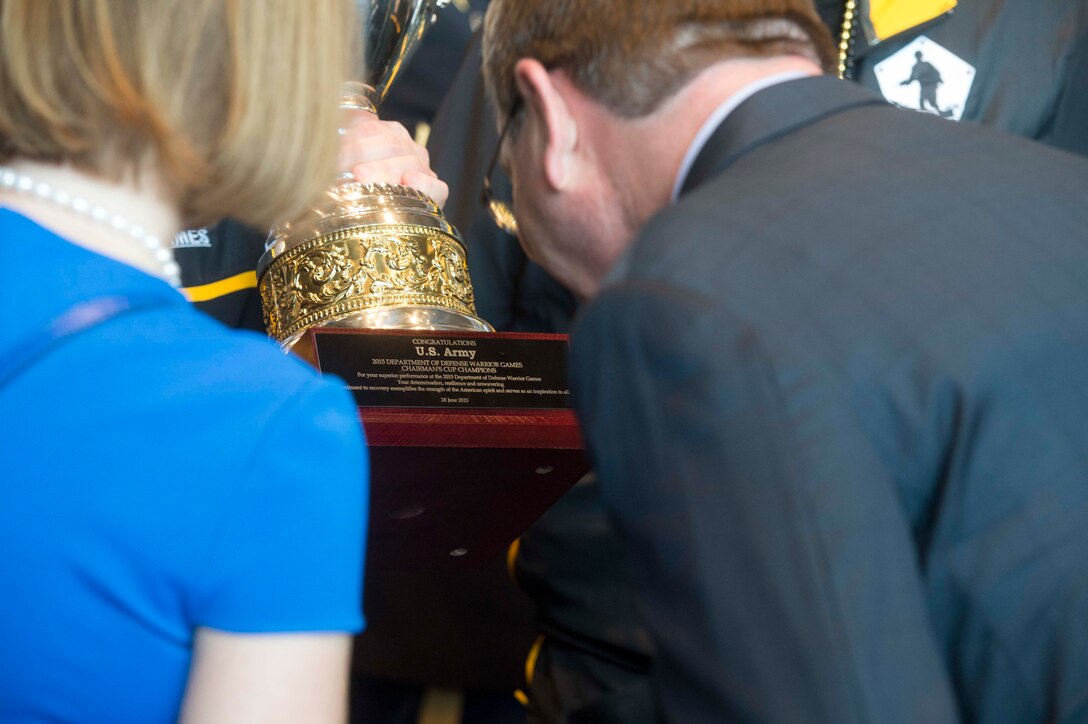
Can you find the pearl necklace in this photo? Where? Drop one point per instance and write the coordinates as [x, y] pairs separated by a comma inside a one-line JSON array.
[[20, 182]]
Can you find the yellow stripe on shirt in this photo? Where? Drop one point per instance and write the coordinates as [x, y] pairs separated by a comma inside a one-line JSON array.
[[221, 288], [530, 660], [512, 559], [891, 17]]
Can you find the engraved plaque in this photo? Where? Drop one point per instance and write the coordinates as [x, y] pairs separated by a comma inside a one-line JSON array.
[[451, 370]]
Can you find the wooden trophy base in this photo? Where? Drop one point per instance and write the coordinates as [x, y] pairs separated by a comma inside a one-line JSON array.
[[465, 452]]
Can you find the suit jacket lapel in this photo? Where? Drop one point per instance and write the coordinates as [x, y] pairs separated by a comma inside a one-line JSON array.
[[771, 114]]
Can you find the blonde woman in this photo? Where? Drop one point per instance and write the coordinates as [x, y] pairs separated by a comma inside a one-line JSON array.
[[183, 508]]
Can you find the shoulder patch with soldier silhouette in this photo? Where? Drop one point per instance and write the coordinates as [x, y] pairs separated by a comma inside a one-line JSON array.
[[925, 76]]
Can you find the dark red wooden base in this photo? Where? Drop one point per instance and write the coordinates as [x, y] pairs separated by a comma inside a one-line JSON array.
[[454, 490]]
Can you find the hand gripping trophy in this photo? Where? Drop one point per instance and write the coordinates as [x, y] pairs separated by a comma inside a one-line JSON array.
[[370, 255]]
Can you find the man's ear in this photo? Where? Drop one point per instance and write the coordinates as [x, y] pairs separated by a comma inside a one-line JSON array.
[[548, 113]]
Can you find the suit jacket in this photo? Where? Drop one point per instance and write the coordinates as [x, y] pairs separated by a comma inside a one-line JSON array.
[[837, 397]]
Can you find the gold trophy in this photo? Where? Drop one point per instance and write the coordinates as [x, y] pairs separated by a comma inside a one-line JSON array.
[[370, 256], [470, 436]]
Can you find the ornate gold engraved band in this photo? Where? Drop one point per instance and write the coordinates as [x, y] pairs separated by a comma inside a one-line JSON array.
[[346, 271]]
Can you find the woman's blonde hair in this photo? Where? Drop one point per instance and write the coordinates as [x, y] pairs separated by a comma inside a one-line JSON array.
[[233, 102]]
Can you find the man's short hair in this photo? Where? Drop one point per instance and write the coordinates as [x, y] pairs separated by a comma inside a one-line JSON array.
[[233, 102], [633, 56]]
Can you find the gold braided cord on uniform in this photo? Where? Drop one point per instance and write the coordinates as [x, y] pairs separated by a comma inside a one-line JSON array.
[[848, 19]]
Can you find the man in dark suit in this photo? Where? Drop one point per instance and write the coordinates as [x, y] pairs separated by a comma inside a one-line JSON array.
[[834, 367]]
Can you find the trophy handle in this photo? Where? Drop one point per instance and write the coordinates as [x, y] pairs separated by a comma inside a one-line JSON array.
[[388, 34]]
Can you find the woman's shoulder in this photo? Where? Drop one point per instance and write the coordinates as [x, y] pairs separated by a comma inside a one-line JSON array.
[[190, 342], [235, 381]]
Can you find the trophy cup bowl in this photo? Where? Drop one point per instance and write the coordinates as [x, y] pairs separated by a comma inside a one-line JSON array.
[[370, 256]]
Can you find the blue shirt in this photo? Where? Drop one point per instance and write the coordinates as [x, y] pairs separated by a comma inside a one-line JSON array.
[[160, 473]]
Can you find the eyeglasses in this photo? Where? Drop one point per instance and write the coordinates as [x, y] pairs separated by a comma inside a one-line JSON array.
[[501, 212]]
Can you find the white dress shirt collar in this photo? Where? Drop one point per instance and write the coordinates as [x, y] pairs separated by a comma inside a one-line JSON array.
[[718, 117]]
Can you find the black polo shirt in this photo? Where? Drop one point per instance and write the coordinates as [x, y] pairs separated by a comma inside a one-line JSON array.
[[1028, 61], [218, 272]]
